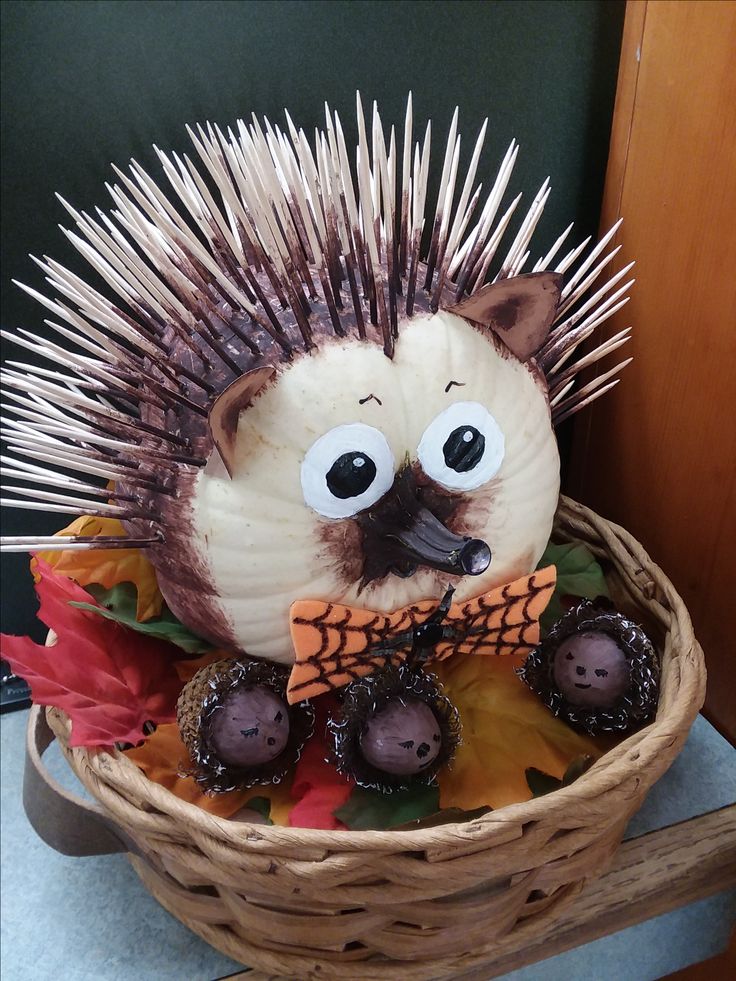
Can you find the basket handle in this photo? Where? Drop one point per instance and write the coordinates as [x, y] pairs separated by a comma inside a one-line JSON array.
[[64, 821]]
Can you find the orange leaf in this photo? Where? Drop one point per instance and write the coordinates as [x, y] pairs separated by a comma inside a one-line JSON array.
[[187, 669], [106, 566], [163, 753]]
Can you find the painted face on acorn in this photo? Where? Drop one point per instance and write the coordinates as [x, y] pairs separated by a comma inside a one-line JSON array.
[[591, 669], [250, 728], [402, 739]]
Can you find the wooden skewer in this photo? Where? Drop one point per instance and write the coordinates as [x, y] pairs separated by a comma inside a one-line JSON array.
[[607, 347], [523, 236], [57, 543], [545, 261], [406, 188], [34, 492], [464, 263], [94, 508], [570, 410], [267, 222], [51, 479], [451, 149]]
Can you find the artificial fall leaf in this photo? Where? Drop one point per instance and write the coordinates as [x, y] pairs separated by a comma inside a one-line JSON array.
[[107, 566], [318, 789], [108, 680], [371, 810], [506, 730], [163, 756], [541, 783], [187, 669], [579, 575], [262, 806], [281, 801], [120, 604], [450, 815], [576, 769]]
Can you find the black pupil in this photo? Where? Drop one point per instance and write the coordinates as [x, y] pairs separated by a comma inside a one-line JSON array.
[[464, 448], [350, 475]]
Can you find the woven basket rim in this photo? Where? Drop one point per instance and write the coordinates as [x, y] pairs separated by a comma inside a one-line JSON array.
[[634, 754]]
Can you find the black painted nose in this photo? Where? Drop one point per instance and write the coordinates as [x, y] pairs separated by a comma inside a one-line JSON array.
[[402, 532], [425, 540], [580, 670], [475, 557]]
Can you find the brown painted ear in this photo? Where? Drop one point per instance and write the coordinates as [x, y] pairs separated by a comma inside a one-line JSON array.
[[225, 410], [519, 310]]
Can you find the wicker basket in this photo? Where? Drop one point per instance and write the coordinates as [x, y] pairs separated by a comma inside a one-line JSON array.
[[411, 904]]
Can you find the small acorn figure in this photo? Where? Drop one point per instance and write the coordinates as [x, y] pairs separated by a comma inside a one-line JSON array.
[[238, 727], [596, 670], [396, 729]]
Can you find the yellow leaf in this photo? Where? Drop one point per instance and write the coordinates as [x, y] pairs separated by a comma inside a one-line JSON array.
[[281, 800], [506, 729], [107, 566]]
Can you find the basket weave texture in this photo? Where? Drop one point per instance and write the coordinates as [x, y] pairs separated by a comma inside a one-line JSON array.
[[423, 904]]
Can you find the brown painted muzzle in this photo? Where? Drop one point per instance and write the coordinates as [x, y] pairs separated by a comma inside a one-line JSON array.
[[406, 529]]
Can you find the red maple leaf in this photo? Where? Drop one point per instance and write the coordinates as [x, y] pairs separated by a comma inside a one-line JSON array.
[[317, 786], [108, 680]]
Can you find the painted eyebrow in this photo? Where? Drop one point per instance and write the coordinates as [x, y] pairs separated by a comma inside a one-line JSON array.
[[449, 385], [368, 399]]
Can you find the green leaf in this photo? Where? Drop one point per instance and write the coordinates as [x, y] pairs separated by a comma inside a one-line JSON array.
[[449, 815], [577, 768], [370, 810], [262, 806], [579, 574], [119, 604], [541, 783]]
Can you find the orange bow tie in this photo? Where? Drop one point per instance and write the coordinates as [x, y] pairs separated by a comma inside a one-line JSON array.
[[337, 644]]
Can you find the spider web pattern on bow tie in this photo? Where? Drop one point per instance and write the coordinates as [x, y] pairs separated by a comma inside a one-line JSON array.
[[496, 624], [337, 644]]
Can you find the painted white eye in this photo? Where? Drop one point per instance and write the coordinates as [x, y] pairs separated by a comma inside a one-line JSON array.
[[462, 447], [347, 470]]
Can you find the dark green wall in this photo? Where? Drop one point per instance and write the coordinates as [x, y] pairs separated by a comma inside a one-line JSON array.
[[87, 83]]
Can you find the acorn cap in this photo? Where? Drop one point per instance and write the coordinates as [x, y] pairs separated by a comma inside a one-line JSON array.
[[189, 705]]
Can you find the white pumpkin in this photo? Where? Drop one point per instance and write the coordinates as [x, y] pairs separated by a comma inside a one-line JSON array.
[[264, 546]]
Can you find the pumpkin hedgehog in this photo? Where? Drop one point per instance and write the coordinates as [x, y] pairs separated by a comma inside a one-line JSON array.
[[336, 447]]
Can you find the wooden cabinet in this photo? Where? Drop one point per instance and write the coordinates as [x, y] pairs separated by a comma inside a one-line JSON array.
[[659, 454]]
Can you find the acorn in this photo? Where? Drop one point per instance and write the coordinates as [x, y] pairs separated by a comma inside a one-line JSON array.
[[596, 669], [402, 738], [238, 727], [395, 729]]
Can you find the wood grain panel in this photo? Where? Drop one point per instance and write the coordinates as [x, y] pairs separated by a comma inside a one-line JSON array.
[[659, 454]]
